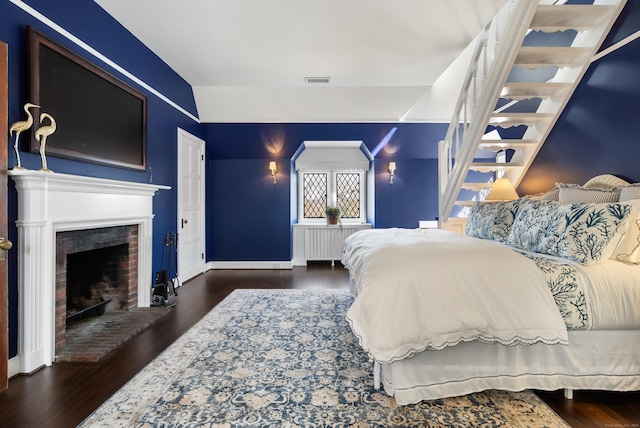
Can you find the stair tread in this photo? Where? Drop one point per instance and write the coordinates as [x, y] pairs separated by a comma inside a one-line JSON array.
[[522, 90], [564, 17], [497, 145], [500, 164], [543, 56], [508, 141], [514, 119], [476, 186], [467, 203], [530, 115], [494, 166]]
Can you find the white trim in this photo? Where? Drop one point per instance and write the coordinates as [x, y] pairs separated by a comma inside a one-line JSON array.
[[40, 17], [249, 265], [332, 195], [183, 138], [14, 367], [48, 203], [616, 46], [333, 144]]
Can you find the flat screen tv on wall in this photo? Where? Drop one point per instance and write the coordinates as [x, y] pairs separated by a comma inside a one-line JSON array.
[[99, 118]]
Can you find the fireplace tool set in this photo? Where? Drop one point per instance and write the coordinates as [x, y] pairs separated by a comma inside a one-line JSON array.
[[165, 284]]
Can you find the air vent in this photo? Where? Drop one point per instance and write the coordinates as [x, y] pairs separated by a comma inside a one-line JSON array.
[[317, 79]]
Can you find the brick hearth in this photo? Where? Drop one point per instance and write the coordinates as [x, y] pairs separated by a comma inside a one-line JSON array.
[[91, 338]]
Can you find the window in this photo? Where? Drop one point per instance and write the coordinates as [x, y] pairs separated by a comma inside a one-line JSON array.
[[332, 174], [321, 189]]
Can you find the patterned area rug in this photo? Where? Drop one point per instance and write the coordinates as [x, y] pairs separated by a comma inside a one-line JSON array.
[[287, 358]]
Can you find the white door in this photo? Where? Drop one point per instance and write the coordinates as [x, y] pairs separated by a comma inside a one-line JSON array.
[[191, 243]]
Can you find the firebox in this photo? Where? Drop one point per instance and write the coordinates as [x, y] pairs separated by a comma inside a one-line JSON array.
[[95, 269]]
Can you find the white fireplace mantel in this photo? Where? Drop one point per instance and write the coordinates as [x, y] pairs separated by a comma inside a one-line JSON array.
[[49, 203]]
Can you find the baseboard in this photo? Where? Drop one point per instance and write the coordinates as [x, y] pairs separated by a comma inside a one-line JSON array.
[[249, 265], [14, 366]]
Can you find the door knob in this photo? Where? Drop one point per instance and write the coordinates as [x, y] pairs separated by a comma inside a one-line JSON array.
[[5, 244]]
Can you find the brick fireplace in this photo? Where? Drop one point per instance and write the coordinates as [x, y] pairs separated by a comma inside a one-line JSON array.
[[94, 266], [52, 204]]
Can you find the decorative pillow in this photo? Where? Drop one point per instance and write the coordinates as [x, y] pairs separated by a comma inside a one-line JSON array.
[[535, 221], [491, 220], [628, 193], [551, 195], [585, 233], [605, 181], [628, 250], [572, 193]]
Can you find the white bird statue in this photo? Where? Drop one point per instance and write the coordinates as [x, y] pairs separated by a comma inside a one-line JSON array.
[[19, 127], [41, 135]]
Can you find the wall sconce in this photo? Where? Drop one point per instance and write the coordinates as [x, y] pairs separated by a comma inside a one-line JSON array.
[[273, 168], [392, 171]]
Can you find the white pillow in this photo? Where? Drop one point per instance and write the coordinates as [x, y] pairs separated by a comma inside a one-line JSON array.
[[572, 193], [605, 181], [628, 250], [549, 195], [628, 193]]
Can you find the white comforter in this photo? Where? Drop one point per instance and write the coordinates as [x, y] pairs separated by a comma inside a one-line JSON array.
[[429, 289]]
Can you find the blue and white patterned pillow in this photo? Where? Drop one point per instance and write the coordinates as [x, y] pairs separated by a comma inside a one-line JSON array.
[[585, 233], [491, 220], [535, 226]]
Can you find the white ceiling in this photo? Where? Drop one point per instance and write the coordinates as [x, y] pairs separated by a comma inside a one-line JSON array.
[[247, 59]]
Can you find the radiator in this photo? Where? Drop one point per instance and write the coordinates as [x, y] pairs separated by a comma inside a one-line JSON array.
[[326, 243]]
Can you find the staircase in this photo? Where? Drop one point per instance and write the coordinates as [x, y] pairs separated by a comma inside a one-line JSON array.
[[525, 67]]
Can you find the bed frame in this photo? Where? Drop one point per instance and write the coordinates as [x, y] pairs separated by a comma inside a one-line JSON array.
[[594, 360]]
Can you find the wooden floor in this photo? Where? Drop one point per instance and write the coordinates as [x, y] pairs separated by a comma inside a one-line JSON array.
[[64, 394]]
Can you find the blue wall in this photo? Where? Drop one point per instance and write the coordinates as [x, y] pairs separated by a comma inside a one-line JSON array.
[[249, 218], [90, 23], [413, 196]]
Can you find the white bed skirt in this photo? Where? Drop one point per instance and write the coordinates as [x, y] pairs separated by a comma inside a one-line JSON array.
[[594, 360]]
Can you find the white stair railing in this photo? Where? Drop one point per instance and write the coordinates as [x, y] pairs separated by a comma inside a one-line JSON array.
[[490, 66]]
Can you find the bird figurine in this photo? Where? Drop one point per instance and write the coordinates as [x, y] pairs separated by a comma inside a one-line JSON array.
[[19, 127], [41, 135]]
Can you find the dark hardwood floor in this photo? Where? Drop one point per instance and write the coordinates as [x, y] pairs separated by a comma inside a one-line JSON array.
[[65, 393]]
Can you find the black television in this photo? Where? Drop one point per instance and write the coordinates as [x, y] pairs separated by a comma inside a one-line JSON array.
[[99, 118]]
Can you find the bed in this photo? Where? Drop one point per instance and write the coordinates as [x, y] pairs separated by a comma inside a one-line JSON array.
[[539, 293]]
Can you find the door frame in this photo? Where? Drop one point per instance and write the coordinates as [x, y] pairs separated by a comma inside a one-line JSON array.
[[182, 137], [4, 292]]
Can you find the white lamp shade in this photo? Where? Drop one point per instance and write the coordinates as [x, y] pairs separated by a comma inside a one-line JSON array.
[[502, 190]]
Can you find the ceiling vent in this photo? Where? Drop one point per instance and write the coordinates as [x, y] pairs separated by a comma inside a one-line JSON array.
[[317, 79]]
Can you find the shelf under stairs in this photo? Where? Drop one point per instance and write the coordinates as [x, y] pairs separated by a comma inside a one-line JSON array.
[[527, 65]]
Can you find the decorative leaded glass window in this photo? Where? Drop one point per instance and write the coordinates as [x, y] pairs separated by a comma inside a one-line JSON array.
[[314, 194], [322, 189], [348, 194]]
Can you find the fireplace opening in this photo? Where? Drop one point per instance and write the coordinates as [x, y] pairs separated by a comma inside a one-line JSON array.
[[96, 272], [93, 281]]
